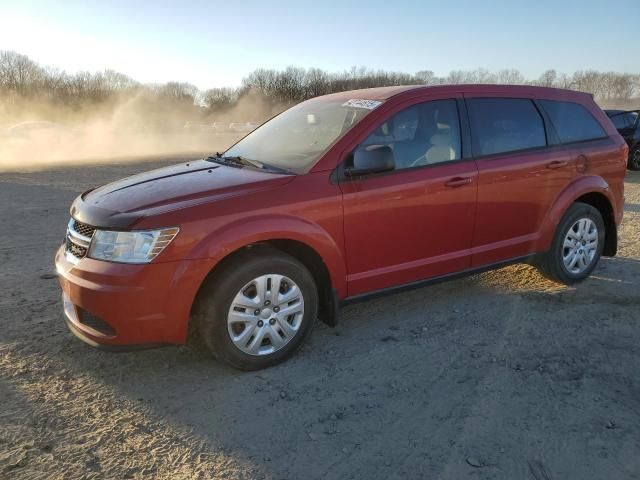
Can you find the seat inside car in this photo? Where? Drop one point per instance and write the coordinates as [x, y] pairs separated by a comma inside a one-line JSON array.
[[418, 136], [441, 149]]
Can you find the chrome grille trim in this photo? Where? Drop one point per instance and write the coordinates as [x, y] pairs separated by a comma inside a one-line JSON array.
[[77, 244], [78, 239], [83, 229]]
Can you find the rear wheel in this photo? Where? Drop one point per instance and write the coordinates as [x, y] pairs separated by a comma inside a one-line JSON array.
[[634, 159], [258, 309], [577, 245]]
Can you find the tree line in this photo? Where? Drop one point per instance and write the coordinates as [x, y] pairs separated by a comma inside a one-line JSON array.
[[22, 79], [296, 84]]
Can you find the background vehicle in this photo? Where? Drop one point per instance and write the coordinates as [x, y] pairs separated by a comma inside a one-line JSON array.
[[36, 128], [339, 198], [242, 127], [197, 127], [220, 127], [34, 135], [627, 123]]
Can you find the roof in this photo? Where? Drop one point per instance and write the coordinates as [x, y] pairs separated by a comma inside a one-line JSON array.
[[384, 93]]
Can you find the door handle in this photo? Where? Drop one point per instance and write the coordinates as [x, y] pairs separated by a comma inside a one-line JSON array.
[[557, 164], [458, 182]]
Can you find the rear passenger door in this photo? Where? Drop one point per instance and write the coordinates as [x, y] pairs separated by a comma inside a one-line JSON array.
[[520, 173]]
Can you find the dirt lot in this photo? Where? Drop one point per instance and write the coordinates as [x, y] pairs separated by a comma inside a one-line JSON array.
[[500, 375]]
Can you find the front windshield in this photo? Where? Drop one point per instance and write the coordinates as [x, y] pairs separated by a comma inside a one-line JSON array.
[[295, 139]]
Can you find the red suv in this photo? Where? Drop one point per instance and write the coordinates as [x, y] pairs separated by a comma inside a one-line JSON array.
[[338, 198]]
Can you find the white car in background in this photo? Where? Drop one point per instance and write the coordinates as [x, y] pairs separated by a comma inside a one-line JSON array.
[[243, 127], [27, 129], [197, 127], [220, 127], [39, 134]]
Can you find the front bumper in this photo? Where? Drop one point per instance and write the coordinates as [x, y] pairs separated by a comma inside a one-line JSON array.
[[130, 306], [71, 325]]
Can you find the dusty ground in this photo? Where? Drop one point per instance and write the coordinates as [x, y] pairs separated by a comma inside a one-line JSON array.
[[501, 375]]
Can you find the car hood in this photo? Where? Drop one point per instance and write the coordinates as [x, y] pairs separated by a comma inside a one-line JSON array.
[[124, 202]]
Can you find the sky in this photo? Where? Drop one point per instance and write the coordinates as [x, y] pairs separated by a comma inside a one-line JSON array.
[[215, 44]]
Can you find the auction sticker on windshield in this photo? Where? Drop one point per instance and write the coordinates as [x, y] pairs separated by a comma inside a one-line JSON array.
[[361, 103]]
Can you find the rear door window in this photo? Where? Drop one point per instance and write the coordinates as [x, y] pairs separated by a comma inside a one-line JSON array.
[[500, 125], [572, 121]]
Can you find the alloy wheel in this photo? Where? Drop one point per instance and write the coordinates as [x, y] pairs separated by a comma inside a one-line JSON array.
[[265, 314], [580, 246]]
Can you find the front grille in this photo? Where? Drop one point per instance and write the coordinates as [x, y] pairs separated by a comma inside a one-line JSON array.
[[78, 239], [76, 250], [96, 323], [83, 229]]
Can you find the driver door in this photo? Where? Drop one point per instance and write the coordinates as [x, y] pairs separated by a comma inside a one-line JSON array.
[[417, 221]]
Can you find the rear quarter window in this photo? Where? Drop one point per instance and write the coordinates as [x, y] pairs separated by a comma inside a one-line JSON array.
[[572, 121], [500, 125]]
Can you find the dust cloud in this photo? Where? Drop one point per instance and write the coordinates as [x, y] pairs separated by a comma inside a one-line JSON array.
[[624, 104], [38, 134]]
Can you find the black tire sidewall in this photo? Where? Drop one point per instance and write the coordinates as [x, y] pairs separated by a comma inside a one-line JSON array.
[[576, 212], [220, 293], [632, 155]]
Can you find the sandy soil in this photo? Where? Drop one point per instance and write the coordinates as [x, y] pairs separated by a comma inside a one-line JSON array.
[[501, 375]]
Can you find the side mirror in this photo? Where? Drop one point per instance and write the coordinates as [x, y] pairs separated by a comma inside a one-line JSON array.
[[371, 159]]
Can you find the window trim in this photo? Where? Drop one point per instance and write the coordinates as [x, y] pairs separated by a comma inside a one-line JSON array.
[[465, 131], [574, 142], [553, 139], [340, 176], [478, 156]]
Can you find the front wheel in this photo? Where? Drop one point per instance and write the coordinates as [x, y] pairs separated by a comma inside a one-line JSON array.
[[634, 159], [577, 245], [258, 309]]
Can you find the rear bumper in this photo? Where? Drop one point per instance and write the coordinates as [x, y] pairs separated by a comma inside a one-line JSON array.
[[130, 306]]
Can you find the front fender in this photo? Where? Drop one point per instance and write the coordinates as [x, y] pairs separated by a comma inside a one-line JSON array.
[[225, 240]]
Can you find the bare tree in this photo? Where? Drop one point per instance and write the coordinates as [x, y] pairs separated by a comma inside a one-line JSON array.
[[547, 79], [220, 98], [19, 74], [22, 78]]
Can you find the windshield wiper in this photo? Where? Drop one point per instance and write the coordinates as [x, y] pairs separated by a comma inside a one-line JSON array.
[[233, 161], [239, 161]]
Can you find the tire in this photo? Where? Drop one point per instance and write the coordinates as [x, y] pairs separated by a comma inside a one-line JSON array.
[[222, 314], [634, 159], [553, 264]]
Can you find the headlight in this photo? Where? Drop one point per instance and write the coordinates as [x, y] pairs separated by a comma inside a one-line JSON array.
[[140, 246]]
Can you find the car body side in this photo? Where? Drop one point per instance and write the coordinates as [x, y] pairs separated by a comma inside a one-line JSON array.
[[305, 216]]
